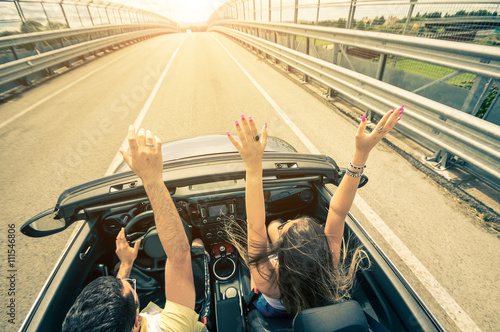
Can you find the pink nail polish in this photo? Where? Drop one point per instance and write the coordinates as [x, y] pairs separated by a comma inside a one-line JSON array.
[[393, 110], [363, 118], [227, 133], [250, 118], [242, 117], [402, 110], [265, 124], [400, 118], [236, 123]]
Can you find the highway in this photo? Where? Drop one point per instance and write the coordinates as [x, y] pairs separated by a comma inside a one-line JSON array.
[[186, 85]]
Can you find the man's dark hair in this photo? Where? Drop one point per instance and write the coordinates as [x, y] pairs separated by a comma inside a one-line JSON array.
[[101, 306]]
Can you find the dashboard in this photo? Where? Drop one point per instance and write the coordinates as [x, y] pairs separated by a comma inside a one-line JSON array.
[[208, 213]]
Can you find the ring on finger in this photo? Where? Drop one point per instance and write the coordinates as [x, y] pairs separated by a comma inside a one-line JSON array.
[[381, 130], [256, 138], [150, 144]]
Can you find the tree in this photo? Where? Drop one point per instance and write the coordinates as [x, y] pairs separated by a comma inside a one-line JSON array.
[[360, 25], [341, 23], [379, 21], [31, 26], [56, 25]]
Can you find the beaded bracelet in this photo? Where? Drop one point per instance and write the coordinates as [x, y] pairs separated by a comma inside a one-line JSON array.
[[353, 174], [357, 167]]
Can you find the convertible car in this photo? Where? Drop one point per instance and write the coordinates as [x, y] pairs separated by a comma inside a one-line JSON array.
[[206, 178]]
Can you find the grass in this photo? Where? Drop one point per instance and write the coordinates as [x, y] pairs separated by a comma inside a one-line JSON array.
[[434, 72]]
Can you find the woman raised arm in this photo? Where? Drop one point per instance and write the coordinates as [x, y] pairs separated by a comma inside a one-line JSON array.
[[344, 196], [251, 147]]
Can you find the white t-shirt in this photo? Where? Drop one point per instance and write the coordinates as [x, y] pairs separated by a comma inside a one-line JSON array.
[[174, 317]]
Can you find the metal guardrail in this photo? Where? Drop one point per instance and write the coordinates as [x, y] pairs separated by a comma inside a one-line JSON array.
[[21, 68], [440, 128], [28, 38], [478, 59]]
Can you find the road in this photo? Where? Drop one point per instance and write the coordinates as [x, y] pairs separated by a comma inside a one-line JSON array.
[[81, 119]]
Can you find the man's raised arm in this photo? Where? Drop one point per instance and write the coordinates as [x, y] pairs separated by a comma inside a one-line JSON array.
[[146, 161]]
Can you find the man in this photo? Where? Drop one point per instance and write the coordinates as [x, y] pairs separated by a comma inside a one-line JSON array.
[[111, 304]]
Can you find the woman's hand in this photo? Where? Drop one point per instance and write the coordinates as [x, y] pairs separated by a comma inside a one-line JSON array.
[[366, 142], [251, 145]]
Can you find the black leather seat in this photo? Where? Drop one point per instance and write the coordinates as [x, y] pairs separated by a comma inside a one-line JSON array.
[[342, 317]]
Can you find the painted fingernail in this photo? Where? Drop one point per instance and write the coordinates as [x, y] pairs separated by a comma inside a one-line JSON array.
[[402, 106], [242, 117], [363, 118], [402, 110], [400, 118], [227, 133], [393, 110], [250, 118], [236, 123], [265, 124]]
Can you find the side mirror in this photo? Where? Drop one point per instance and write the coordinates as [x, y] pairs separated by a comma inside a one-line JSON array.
[[362, 181], [43, 224]]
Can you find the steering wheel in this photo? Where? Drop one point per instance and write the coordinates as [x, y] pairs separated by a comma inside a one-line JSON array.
[[143, 226]]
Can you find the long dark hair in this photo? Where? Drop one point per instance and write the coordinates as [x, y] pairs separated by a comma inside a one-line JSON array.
[[308, 275]]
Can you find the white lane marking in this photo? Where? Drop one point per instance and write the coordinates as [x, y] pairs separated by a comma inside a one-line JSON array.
[[118, 157], [452, 308], [278, 109], [35, 105]]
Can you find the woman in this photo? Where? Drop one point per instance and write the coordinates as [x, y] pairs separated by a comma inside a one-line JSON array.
[[299, 267]]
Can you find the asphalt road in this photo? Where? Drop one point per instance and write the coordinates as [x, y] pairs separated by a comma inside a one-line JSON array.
[[74, 134]]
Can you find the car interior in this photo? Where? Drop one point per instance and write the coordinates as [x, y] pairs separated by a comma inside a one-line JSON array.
[[380, 301]]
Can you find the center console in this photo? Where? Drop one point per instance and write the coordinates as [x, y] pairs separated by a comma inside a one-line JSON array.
[[227, 289]]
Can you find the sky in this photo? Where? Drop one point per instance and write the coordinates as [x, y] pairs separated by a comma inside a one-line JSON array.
[[181, 11]]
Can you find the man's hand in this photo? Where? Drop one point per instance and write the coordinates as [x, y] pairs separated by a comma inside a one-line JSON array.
[[145, 157], [126, 254]]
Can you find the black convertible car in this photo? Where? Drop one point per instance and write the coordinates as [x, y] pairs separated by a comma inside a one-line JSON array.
[[206, 179]]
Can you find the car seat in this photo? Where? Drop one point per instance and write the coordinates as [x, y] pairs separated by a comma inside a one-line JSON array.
[[341, 317]]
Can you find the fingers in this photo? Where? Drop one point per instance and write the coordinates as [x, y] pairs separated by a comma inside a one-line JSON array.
[[132, 142], [236, 144], [126, 157], [120, 238], [149, 138], [241, 134], [121, 234], [362, 125], [158, 143], [388, 121], [393, 117], [264, 135], [136, 246], [253, 127], [141, 137], [245, 125], [247, 132], [383, 121]]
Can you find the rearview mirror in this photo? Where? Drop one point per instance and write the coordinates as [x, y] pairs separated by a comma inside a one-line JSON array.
[[43, 224]]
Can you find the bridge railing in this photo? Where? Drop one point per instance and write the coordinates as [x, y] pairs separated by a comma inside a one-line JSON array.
[[451, 134], [40, 49]]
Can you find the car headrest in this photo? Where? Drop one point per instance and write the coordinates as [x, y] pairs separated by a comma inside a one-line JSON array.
[[341, 317]]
